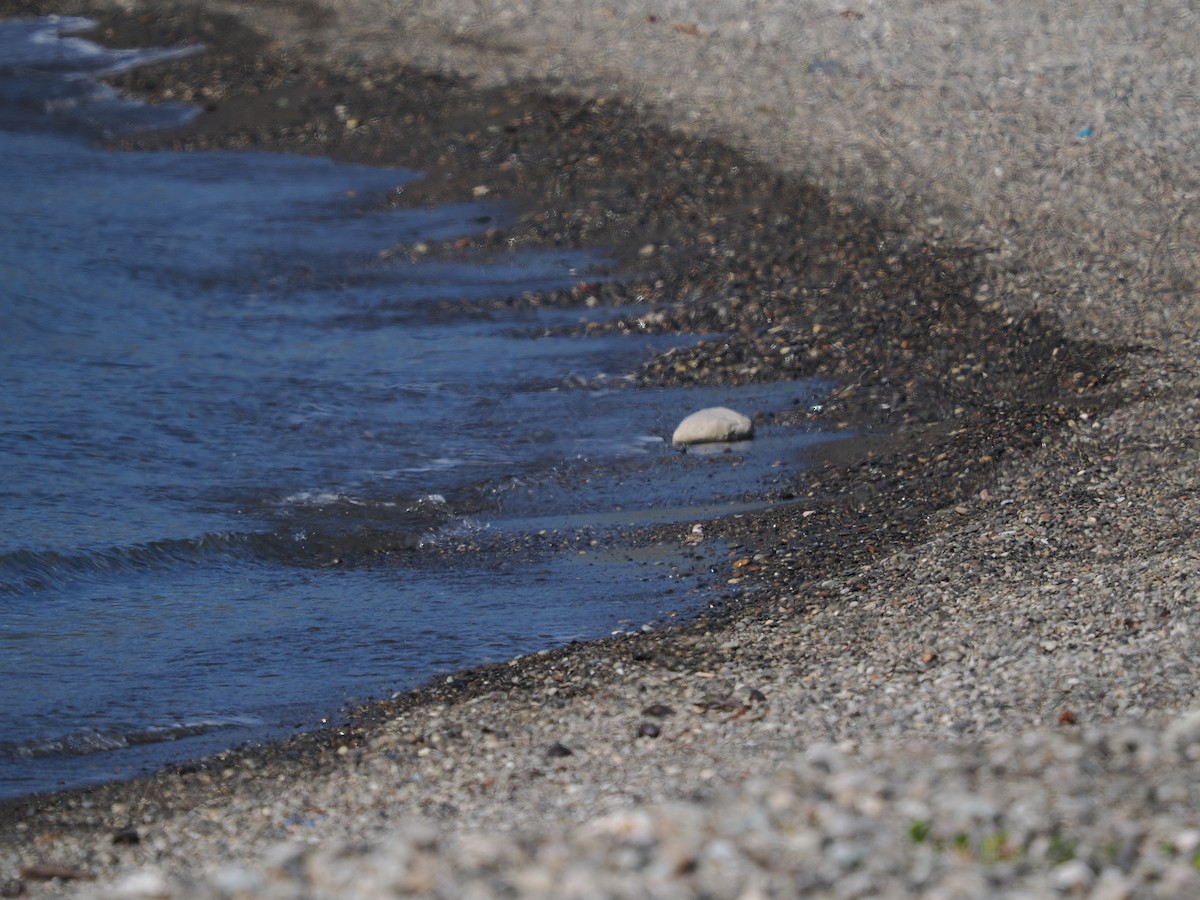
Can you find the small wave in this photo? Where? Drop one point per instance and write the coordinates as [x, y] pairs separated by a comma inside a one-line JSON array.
[[430, 503], [104, 740], [319, 499], [455, 531], [54, 46], [32, 570], [331, 506], [311, 528], [434, 465]]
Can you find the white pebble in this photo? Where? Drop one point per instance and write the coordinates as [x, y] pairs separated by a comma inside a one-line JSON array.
[[717, 423], [142, 885], [1072, 876]]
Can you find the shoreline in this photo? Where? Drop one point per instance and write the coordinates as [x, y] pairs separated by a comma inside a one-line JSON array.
[[926, 566]]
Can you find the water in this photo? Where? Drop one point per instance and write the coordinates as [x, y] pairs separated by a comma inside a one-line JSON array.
[[239, 445]]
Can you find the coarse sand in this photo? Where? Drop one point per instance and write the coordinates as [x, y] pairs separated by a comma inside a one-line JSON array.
[[998, 705]]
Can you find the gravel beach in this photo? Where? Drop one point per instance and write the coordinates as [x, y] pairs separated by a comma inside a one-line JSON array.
[[962, 658]]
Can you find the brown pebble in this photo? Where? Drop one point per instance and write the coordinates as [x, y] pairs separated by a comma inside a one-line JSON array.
[[48, 872], [658, 711], [719, 702]]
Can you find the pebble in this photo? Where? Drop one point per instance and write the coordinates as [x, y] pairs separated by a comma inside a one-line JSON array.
[[148, 884], [1072, 877], [713, 425], [931, 820]]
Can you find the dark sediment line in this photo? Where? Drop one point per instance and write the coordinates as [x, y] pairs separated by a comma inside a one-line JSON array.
[[798, 283]]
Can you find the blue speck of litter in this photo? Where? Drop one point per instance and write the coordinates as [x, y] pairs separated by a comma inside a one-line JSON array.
[[1084, 132], [824, 67]]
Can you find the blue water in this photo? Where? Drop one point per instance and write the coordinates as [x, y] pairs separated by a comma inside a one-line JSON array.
[[241, 444]]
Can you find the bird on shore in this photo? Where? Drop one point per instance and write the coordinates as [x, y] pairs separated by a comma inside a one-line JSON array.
[[695, 537]]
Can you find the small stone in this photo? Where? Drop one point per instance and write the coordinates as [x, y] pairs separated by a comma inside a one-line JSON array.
[[1073, 876], [635, 827], [142, 886], [1112, 885], [1182, 735], [1187, 841], [235, 881], [658, 710], [558, 750], [715, 424], [649, 730]]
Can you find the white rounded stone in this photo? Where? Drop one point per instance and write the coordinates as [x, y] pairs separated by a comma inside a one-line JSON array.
[[711, 425]]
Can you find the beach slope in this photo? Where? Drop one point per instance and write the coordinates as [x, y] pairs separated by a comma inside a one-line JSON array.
[[979, 683]]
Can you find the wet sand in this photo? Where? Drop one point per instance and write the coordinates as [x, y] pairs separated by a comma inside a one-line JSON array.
[[962, 653]]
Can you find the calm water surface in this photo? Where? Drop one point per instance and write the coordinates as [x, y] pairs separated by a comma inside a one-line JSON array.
[[213, 385]]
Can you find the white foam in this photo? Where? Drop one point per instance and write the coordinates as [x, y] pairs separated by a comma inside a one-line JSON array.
[[429, 501], [435, 465], [58, 32], [319, 498], [58, 69]]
